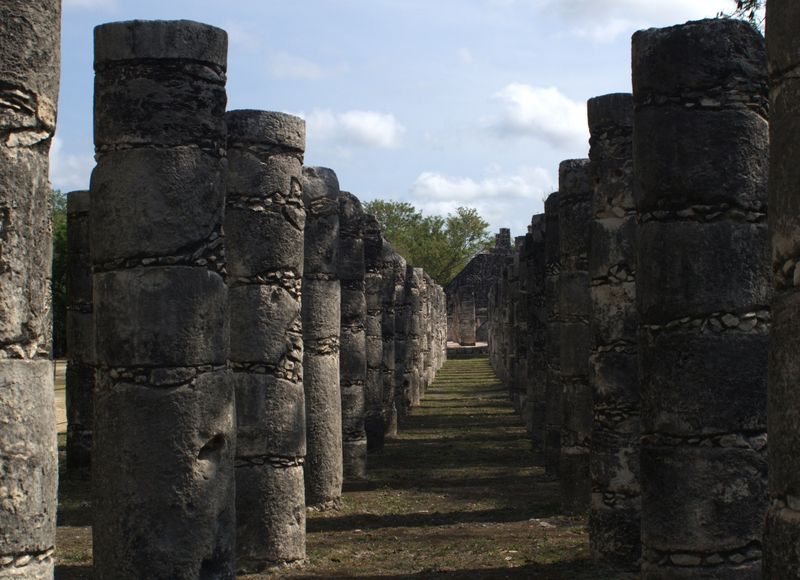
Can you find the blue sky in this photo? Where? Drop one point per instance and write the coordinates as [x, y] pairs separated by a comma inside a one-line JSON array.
[[439, 102]]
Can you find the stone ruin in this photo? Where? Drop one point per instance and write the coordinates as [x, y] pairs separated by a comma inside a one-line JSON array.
[[30, 54], [631, 323], [643, 301], [468, 293], [187, 262]]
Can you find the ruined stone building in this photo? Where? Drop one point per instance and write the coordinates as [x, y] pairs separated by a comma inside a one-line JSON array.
[[468, 293]]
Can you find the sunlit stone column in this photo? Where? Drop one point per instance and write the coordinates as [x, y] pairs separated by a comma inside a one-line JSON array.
[[30, 55], [264, 223], [321, 328], [164, 432]]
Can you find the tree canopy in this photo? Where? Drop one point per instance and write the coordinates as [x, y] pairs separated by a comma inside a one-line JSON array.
[[59, 279], [750, 10], [440, 245]]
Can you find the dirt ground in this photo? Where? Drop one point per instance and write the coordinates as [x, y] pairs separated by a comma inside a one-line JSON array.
[[453, 496]]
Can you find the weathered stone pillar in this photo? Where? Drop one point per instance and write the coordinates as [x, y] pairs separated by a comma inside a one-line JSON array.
[[374, 283], [414, 291], [30, 54], [614, 520], [391, 265], [782, 536], [702, 286], [427, 355], [553, 415], [465, 315], [321, 329], [353, 341], [575, 215], [264, 223], [80, 333], [164, 432], [401, 340], [537, 338], [519, 330]]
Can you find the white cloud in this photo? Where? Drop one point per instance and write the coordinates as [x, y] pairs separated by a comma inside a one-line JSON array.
[[91, 4], [541, 113], [465, 55], [503, 199], [605, 20], [69, 172], [358, 128], [244, 35], [284, 65]]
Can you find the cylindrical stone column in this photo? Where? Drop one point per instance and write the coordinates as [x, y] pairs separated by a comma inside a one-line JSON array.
[[391, 264], [264, 223], [80, 333], [353, 341], [374, 282], [702, 289], [414, 291], [614, 521], [164, 431], [402, 315], [782, 536], [321, 328], [554, 412], [30, 55], [465, 315], [575, 215], [537, 338], [427, 355]]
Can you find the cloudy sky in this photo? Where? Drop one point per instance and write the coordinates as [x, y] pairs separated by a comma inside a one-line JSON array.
[[438, 102]]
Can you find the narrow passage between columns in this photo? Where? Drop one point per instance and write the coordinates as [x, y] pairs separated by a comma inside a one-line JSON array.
[[453, 495]]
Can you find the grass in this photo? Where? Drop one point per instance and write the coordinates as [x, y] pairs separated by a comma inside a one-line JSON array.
[[454, 496]]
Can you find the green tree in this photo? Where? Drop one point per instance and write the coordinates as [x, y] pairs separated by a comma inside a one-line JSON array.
[[59, 279], [440, 245]]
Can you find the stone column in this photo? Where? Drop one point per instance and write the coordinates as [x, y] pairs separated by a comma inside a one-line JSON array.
[[465, 315], [414, 339], [374, 283], [782, 536], [30, 55], [700, 168], [353, 349], [80, 333], [614, 520], [164, 432], [264, 223], [519, 331], [553, 415], [427, 355], [537, 338], [575, 214], [390, 266], [402, 324], [321, 329]]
